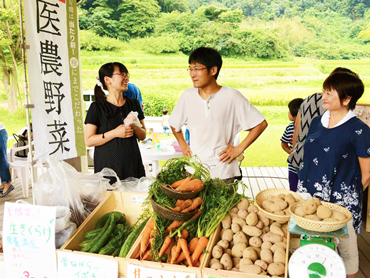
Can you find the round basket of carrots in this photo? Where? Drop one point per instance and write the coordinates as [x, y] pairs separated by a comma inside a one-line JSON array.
[[182, 212], [183, 189]]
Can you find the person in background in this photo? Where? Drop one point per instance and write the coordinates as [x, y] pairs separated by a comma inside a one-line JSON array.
[[214, 114], [7, 187], [164, 123], [134, 92], [116, 145], [336, 160], [287, 139]]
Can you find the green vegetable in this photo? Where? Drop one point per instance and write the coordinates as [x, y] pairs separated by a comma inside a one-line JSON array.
[[120, 218], [131, 239], [92, 234], [116, 252], [96, 239], [116, 240], [85, 242]]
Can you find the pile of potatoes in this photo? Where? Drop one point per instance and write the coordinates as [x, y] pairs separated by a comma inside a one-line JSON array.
[[250, 243], [314, 210], [279, 205]]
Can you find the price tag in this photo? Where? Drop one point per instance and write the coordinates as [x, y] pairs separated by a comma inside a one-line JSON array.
[[29, 241], [82, 266], [135, 271]]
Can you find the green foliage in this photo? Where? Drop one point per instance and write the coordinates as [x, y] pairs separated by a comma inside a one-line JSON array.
[[91, 41], [165, 43]]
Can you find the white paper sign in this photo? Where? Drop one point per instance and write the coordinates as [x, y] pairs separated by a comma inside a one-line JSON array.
[[81, 266], [135, 271], [29, 241]]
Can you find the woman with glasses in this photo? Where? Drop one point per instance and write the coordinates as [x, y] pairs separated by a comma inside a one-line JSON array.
[[116, 145], [336, 160]]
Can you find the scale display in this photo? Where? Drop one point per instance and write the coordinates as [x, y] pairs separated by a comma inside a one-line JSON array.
[[316, 261]]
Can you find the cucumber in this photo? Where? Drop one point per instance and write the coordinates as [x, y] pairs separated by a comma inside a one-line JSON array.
[[101, 240], [131, 239], [120, 218], [96, 239], [85, 242], [92, 234]]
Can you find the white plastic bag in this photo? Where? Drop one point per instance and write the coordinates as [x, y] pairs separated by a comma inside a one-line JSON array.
[[135, 184], [132, 119], [64, 235]]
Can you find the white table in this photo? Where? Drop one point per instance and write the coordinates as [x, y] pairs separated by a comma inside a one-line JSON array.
[[155, 156]]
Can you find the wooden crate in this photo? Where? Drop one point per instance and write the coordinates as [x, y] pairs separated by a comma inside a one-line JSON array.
[[128, 203], [207, 272]]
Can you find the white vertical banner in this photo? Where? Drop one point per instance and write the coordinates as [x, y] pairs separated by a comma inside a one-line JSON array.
[[54, 77]]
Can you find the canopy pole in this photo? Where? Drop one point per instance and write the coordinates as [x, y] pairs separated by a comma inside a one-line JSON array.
[[27, 106]]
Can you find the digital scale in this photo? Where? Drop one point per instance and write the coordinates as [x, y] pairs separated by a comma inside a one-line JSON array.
[[316, 258]]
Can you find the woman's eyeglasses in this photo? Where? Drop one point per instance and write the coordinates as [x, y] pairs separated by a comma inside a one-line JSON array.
[[124, 74]]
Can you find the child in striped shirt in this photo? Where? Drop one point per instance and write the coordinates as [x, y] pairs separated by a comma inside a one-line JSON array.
[[287, 138]]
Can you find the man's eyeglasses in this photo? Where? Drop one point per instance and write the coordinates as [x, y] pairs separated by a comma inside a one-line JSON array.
[[196, 69], [124, 74]]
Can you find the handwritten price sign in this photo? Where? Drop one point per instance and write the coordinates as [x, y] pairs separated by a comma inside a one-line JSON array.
[[135, 271], [29, 241]]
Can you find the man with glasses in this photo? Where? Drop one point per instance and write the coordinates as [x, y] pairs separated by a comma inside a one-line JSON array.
[[214, 115]]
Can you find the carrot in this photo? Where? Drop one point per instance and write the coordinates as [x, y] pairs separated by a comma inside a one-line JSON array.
[[201, 258], [180, 182], [196, 264], [147, 254], [179, 202], [180, 258], [175, 252], [184, 246], [196, 203], [192, 185], [146, 235], [193, 244], [184, 233], [166, 243], [175, 224], [183, 206], [202, 244]]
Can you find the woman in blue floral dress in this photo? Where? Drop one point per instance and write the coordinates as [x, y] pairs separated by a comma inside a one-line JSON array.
[[336, 162]]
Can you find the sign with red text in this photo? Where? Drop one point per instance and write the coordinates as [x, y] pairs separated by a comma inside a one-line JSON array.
[[29, 241], [135, 271], [82, 266]]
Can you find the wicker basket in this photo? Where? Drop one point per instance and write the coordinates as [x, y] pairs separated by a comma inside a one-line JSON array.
[[170, 214], [178, 195], [320, 226], [264, 194]]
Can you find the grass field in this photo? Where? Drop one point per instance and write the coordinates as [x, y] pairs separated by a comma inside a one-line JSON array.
[[269, 85]]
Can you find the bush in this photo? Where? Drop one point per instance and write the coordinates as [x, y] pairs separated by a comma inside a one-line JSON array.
[[162, 44], [156, 101], [90, 41]]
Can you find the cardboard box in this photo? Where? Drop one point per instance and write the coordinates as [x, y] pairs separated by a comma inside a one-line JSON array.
[[207, 272], [128, 203]]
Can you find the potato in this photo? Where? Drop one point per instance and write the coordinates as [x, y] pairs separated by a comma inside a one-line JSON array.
[[299, 211], [276, 269], [259, 224], [323, 212], [237, 250], [257, 249], [266, 229], [309, 207], [279, 212], [252, 208], [317, 201], [234, 210], [217, 251], [217, 266], [275, 207], [255, 241], [228, 251], [223, 243], [240, 237], [276, 230], [243, 204], [266, 245], [251, 230], [279, 255], [245, 262], [338, 215], [273, 238], [235, 269], [263, 218], [233, 215], [266, 204], [277, 245], [242, 213], [213, 261], [228, 235], [239, 221], [262, 264], [286, 211], [281, 203], [236, 262], [275, 224], [235, 228], [281, 196], [252, 219], [289, 198], [313, 217], [250, 253], [226, 222], [226, 261], [255, 269], [266, 255]]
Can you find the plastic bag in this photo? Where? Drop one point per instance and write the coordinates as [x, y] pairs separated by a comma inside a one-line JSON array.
[[63, 218], [132, 119], [135, 184], [64, 235]]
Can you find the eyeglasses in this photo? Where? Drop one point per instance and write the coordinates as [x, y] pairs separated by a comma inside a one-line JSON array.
[[123, 74], [196, 69]]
